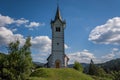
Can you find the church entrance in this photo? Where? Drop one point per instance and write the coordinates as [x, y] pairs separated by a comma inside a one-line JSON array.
[[57, 64]]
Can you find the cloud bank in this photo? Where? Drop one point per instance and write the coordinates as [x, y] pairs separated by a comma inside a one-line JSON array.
[[82, 56], [7, 36], [6, 20], [41, 43], [108, 33]]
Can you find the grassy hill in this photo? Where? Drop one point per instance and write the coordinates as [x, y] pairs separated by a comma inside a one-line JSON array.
[[58, 74]]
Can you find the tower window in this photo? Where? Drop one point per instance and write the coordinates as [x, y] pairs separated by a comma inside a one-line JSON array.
[[57, 29]]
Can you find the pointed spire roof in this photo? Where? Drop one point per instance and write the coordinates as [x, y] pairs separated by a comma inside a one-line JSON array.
[[58, 16]]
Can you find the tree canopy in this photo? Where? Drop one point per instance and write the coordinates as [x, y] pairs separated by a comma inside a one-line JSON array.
[[17, 64]]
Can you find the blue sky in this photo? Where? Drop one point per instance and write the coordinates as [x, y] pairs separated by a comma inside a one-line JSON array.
[[92, 27]]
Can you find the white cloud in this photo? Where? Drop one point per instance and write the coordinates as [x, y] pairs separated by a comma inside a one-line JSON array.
[[40, 57], [66, 46], [84, 56], [21, 21], [115, 53], [108, 33], [115, 49], [108, 57], [41, 43], [14, 30], [7, 36], [33, 24], [4, 20]]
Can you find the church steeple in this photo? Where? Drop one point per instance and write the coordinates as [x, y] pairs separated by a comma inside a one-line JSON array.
[[57, 58], [58, 16]]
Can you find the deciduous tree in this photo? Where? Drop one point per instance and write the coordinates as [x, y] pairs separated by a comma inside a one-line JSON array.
[[18, 61]]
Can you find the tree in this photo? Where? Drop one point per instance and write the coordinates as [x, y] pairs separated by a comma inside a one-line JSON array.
[[19, 61], [5, 73], [78, 66], [95, 70], [116, 75], [2, 64], [101, 72], [92, 68], [27, 59]]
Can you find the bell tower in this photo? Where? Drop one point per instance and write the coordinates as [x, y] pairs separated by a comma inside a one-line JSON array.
[[57, 59]]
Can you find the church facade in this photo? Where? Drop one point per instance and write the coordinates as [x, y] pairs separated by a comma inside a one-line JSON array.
[[57, 58]]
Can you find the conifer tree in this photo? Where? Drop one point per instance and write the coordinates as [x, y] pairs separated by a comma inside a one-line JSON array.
[[92, 68], [95, 70]]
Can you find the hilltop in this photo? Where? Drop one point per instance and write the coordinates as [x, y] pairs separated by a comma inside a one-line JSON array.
[[58, 74]]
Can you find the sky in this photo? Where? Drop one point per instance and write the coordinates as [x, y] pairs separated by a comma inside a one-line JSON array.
[[92, 27]]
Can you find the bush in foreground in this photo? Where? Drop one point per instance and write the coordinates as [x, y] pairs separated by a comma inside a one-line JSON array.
[[78, 66]]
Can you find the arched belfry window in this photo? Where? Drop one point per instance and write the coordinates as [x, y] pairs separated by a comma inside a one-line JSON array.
[[57, 29]]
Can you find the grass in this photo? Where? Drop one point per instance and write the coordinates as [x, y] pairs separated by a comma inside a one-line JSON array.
[[58, 74], [101, 78]]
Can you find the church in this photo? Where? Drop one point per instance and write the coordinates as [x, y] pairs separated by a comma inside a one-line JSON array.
[[57, 58]]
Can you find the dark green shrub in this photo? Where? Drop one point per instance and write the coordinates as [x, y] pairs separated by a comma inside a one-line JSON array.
[[78, 66]]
